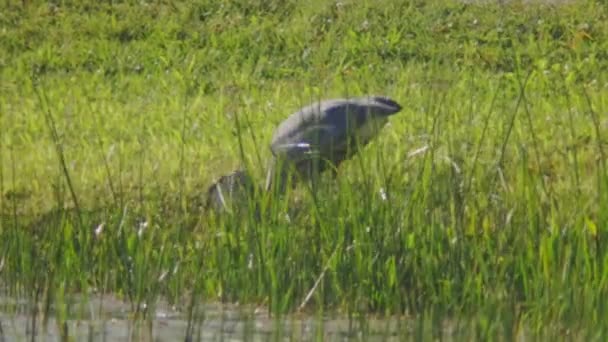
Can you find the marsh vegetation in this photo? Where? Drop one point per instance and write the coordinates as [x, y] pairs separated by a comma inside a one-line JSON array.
[[480, 211]]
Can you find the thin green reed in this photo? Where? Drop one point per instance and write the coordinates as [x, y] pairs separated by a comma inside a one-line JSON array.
[[44, 104]]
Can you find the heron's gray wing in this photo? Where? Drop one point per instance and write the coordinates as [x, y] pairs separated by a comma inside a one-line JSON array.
[[292, 151], [311, 141]]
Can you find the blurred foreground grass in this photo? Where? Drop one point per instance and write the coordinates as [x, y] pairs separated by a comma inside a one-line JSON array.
[[483, 200]]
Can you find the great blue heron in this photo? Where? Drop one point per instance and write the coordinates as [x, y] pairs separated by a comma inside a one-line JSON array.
[[315, 138], [324, 134]]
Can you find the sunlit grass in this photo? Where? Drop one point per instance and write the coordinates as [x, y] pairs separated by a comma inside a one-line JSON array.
[[481, 207]]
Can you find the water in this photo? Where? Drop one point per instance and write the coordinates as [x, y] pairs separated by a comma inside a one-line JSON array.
[[109, 319]]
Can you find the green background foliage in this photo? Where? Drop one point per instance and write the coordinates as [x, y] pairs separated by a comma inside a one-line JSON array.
[[484, 200]]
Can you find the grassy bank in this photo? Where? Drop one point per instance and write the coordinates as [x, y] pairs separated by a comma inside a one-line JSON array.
[[485, 200]]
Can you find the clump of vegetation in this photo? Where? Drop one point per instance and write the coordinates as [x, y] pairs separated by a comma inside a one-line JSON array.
[[484, 201]]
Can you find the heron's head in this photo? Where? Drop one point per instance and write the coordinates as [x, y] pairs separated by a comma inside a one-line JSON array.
[[371, 115], [380, 105]]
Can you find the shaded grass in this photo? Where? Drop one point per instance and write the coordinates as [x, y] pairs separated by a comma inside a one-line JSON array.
[[498, 219]]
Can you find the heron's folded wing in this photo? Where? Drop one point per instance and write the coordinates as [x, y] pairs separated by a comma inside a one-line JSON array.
[[309, 142]]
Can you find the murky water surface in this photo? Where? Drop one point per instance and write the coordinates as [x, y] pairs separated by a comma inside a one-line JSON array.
[[112, 320]]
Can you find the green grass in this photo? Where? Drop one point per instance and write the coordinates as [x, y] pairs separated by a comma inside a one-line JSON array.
[[115, 117]]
